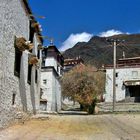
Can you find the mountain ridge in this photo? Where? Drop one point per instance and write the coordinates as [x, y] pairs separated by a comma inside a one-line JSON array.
[[98, 51]]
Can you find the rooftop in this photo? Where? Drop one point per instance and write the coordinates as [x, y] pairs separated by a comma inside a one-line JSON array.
[[126, 63]]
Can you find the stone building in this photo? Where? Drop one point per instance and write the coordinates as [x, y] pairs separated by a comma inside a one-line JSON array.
[[70, 63], [52, 70], [19, 61], [127, 80]]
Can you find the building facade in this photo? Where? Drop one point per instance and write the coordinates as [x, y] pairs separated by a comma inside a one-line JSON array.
[[127, 80], [19, 61], [70, 63], [52, 70]]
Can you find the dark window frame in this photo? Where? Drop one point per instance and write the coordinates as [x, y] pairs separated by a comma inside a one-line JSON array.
[[29, 74], [44, 81], [36, 76], [117, 74], [32, 31], [17, 64], [13, 98]]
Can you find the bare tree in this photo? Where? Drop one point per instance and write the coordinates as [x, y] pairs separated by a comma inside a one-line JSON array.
[[83, 84]]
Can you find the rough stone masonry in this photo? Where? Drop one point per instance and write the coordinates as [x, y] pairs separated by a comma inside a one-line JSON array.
[[14, 21]]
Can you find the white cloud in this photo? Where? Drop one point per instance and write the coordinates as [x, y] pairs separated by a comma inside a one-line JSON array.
[[75, 38], [111, 33]]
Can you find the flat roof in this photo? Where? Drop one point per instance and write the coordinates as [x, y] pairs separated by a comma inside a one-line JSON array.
[[131, 58]]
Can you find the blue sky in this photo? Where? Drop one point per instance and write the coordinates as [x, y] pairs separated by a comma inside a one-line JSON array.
[[69, 21]]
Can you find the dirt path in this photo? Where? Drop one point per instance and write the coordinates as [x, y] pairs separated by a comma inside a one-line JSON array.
[[76, 127]]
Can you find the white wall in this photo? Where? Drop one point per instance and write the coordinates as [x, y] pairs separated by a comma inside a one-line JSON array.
[[51, 90], [50, 61], [14, 21], [124, 74], [47, 88]]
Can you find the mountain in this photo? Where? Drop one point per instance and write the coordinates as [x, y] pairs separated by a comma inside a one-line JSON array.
[[98, 50]]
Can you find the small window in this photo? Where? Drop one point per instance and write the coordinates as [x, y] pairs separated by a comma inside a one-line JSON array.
[[36, 76], [13, 98], [45, 81], [31, 35], [29, 73], [117, 74], [134, 74], [18, 55]]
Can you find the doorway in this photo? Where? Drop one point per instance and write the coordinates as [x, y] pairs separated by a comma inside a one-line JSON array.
[[133, 91]]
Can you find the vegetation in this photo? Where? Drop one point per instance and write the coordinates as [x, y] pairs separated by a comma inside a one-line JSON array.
[[83, 84]]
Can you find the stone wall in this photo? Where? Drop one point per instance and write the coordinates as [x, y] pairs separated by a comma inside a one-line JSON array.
[[15, 22]]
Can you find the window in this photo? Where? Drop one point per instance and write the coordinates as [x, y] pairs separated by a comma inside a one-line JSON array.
[[45, 81], [134, 74], [31, 37], [29, 73], [36, 76], [18, 55], [13, 98], [116, 74]]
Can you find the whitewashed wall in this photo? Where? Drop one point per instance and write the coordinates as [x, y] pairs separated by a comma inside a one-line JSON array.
[[14, 22], [52, 89], [124, 74], [50, 61]]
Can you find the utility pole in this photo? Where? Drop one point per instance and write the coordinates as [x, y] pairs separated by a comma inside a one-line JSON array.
[[115, 43], [114, 73]]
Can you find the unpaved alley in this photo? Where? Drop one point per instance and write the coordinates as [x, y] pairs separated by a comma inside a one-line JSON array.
[[76, 127]]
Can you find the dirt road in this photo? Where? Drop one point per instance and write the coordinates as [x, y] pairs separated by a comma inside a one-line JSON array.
[[77, 127]]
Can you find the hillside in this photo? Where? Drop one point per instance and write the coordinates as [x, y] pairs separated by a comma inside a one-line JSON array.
[[99, 51]]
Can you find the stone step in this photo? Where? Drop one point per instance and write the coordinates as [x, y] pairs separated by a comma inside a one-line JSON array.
[[73, 113], [128, 107]]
